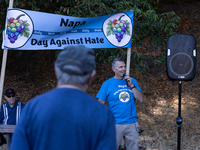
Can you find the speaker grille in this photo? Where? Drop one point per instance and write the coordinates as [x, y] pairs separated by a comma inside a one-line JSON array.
[[181, 64]]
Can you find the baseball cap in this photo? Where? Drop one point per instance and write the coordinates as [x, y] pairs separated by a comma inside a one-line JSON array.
[[9, 91], [76, 60]]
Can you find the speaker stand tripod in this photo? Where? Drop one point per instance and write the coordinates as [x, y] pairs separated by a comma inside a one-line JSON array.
[[179, 119]]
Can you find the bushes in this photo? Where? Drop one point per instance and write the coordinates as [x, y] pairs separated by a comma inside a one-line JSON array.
[[150, 31]]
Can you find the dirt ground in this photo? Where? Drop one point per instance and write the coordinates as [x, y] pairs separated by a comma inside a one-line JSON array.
[[157, 114]]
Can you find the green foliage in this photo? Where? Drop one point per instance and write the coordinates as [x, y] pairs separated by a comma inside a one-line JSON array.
[[149, 25], [106, 55]]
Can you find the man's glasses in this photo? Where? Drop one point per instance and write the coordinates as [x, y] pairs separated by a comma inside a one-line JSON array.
[[9, 96]]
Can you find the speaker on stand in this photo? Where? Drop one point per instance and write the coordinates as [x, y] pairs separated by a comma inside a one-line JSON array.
[[181, 66]]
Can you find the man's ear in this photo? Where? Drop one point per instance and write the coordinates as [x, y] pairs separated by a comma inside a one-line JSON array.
[[91, 77], [113, 69], [55, 68]]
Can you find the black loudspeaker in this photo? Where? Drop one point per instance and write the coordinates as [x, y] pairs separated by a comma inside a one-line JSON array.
[[181, 57]]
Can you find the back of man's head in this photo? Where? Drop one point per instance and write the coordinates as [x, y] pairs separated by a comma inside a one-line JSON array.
[[74, 65]]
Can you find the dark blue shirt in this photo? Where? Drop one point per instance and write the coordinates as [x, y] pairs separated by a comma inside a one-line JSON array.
[[64, 119]]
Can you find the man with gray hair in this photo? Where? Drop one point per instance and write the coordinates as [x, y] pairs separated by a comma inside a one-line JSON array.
[[66, 117]]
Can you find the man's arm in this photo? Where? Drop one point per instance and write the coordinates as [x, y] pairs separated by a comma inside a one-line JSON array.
[[139, 96], [1, 114], [19, 137], [107, 137]]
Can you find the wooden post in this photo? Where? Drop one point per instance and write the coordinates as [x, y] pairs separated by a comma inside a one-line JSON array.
[[128, 61], [11, 3], [3, 69], [3, 66]]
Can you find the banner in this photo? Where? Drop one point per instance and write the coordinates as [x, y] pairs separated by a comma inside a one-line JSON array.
[[31, 30]]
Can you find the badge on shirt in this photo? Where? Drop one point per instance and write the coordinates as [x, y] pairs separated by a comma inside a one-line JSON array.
[[124, 97]]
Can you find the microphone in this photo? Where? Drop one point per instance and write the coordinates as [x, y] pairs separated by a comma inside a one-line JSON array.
[[125, 79]]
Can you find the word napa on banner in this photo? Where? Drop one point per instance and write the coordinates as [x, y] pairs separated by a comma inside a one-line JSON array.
[[31, 30]]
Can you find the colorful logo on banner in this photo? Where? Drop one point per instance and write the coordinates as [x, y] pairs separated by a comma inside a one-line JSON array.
[[18, 30], [24, 30], [119, 28]]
